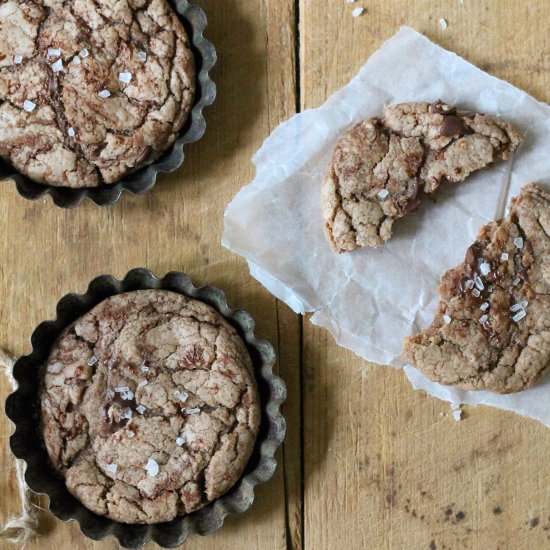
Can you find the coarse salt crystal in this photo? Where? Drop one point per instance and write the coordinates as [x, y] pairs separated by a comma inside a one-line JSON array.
[[140, 409], [152, 467], [128, 413], [84, 53], [469, 284], [130, 433], [29, 106], [120, 389], [144, 368], [457, 415], [125, 77], [357, 12], [57, 66], [443, 23], [484, 306], [490, 288], [181, 440], [18, 59], [518, 242], [177, 393], [193, 411], [183, 396], [112, 468], [127, 395], [446, 319], [516, 307], [142, 56], [483, 319], [71, 133], [53, 52], [504, 256], [104, 94], [110, 393], [485, 268], [524, 304], [76, 60], [519, 316], [383, 193], [93, 358], [516, 281], [476, 293], [479, 283]]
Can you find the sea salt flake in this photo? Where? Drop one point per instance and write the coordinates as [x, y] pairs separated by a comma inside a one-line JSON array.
[[518, 242], [127, 395], [125, 77], [18, 59], [29, 106], [183, 396], [383, 193], [110, 393], [479, 283], [504, 256], [84, 53], [524, 304], [130, 433], [485, 268], [195, 410], [484, 306], [176, 393], [140, 409], [181, 440], [144, 368], [53, 52], [93, 358], [469, 284], [76, 60], [443, 23], [57, 66], [104, 94], [476, 293], [112, 468], [152, 467], [120, 389], [516, 281], [519, 316], [446, 319], [490, 288], [483, 319], [357, 12], [457, 415], [128, 413]]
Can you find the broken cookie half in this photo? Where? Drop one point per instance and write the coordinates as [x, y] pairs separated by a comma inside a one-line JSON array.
[[381, 167], [492, 329]]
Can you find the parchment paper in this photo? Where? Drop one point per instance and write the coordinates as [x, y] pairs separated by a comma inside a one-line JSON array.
[[370, 299]]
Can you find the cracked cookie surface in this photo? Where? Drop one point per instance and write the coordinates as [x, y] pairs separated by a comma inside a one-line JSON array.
[[382, 167], [149, 406], [492, 329], [91, 90]]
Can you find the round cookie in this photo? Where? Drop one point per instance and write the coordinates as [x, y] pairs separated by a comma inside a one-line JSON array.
[[91, 91], [149, 406]]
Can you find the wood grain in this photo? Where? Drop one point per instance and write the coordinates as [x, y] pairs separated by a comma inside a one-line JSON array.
[[368, 463], [386, 467]]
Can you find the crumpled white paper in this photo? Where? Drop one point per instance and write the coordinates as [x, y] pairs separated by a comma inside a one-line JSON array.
[[370, 299]]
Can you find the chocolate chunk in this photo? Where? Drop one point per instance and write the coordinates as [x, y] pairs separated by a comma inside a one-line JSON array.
[[453, 126]]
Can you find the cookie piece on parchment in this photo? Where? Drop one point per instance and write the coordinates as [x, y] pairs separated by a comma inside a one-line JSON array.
[[492, 329], [381, 167]]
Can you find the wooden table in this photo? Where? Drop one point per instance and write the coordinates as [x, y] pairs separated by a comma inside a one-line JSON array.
[[368, 462]]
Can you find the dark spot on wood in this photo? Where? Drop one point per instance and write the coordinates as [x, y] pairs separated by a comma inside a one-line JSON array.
[[497, 510], [432, 545], [448, 511], [460, 516], [534, 522]]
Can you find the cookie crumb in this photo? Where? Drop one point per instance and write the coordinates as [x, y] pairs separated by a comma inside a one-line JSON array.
[[357, 12], [443, 23]]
